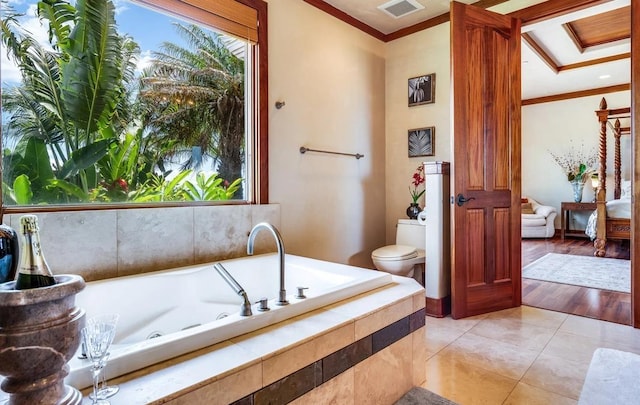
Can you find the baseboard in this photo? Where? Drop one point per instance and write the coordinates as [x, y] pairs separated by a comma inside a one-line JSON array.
[[438, 307]]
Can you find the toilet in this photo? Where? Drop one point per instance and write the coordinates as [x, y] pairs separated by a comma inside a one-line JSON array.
[[401, 258]]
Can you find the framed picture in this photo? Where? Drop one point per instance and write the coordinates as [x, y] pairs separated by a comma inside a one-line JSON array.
[[422, 90], [422, 141]]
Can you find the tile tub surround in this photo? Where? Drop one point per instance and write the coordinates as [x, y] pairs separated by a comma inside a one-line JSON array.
[[273, 356], [113, 243]]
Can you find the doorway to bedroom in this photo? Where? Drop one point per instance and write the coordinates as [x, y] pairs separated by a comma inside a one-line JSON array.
[[609, 298]]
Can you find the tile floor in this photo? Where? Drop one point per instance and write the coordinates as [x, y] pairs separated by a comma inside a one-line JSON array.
[[521, 355]]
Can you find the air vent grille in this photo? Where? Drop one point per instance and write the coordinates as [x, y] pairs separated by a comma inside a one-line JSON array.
[[400, 8]]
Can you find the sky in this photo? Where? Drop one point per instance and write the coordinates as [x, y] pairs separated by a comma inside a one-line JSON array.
[[148, 28]]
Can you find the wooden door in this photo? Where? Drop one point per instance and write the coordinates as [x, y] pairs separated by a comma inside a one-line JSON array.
[[485, 63]]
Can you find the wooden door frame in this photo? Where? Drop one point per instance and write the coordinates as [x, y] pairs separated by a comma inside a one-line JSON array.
[[635, 169], [551, 9]]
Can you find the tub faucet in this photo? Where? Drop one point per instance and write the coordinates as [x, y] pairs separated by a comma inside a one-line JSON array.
[[245, 307], [282, 295]]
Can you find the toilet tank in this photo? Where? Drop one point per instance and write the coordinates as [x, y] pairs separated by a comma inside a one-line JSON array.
[[410, 232]]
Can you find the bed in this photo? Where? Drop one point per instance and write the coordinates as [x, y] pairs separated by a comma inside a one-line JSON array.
[[612, 219]]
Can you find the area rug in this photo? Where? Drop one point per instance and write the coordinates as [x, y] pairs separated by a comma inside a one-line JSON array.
[[422, 396], [585, 271]]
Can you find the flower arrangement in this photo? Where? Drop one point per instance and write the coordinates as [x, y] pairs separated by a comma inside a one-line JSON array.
[[577, 165], [416, 181]]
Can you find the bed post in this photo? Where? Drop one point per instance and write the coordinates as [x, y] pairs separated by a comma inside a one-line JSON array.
[[601, 196], [617, 162]]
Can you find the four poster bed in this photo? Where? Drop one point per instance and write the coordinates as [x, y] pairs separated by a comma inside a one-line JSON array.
[[612, 218]]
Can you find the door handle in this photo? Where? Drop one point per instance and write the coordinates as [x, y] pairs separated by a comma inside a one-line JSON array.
[[460, 200]]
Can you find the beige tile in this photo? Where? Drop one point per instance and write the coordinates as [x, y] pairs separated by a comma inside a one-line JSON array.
[[460, 324], [384, 377], [190, 372], [386, 316], [531, 315], [465, 383], [223, 391], [514, 332], [264, 242], [498, 357], [365, 304], [82, 242], [151, 239], [610, 332], [419, 356], [558, 375], [571, 347], [266, 213], [289, 361], [526, 394], [439, 337], [338, 390], [418, 301], [283, 336], [220, 232]]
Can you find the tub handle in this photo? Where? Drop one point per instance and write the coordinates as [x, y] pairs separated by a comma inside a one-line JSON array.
[[264, 304], [301, 292]]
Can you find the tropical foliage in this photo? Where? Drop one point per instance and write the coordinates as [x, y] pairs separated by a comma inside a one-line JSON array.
[[87, 129]]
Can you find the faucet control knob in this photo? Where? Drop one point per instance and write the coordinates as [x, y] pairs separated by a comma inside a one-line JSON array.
[[301, 292], [263, 304]]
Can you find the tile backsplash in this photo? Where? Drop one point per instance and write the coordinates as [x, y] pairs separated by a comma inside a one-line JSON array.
[[112, 243]]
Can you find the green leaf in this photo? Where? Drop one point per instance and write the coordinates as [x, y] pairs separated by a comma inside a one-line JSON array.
[[22, 193], [70, 189], [35, 161], [85, 157], [60, 15], [90, 79]]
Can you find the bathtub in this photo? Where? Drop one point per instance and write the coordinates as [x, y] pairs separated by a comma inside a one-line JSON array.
[[169, 313]]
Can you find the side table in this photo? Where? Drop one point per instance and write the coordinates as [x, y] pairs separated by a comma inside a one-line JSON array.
[[567, 208]]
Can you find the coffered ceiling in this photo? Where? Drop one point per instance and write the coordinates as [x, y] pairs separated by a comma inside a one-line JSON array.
[[580, 51]]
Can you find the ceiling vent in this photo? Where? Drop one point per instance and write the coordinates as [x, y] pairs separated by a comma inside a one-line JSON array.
[[400, 8]]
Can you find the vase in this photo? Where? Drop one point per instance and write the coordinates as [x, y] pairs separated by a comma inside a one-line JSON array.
[[413, 210], [578, 187]]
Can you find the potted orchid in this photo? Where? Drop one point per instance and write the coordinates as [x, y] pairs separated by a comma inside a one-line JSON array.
[[416, 181]]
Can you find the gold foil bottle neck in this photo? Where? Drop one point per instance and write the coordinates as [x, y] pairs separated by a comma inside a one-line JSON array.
[[29, 223]]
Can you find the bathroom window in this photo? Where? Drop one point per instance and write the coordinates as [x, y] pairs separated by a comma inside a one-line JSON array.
[[112, 103]]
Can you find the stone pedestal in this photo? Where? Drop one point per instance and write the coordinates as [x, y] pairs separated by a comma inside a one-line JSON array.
[[438, 236], [39, 333]]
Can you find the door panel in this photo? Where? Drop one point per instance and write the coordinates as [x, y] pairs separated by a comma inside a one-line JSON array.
[[485, 66]]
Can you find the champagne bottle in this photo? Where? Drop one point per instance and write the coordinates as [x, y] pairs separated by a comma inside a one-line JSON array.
[[34, 271]]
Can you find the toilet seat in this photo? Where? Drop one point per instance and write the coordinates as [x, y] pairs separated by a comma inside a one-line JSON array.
[[395, 253]]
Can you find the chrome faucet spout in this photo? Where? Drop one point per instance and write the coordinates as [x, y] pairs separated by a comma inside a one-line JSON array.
[[245, 307], [282, 294]]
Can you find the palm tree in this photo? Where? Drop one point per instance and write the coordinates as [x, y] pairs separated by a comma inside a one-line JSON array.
[[194, 102], [73, 97]]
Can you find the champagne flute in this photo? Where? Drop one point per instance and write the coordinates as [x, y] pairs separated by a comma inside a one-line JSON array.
[[97, 337], [105, 391]]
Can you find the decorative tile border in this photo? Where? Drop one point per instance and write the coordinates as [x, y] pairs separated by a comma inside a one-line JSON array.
[[315, 374]]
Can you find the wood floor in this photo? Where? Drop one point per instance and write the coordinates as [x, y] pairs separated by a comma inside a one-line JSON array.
[[605, 305]]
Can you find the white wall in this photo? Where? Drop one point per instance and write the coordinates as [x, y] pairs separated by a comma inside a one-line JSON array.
[[555, 127], [332, 78], [422, 53]]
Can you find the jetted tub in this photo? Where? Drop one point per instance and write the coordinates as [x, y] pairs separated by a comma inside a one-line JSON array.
[[169, 313]]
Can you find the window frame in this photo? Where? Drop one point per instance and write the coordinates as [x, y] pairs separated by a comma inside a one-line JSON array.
[[259, 134]]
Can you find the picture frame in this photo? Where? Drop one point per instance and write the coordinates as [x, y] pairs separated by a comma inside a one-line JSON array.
[[422, 141], [422, 90]]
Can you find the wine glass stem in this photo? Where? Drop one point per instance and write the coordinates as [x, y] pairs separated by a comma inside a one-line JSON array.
[[96, 377]]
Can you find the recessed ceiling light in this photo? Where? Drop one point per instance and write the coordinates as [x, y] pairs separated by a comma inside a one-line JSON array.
[[400, 8], [604, 76]]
